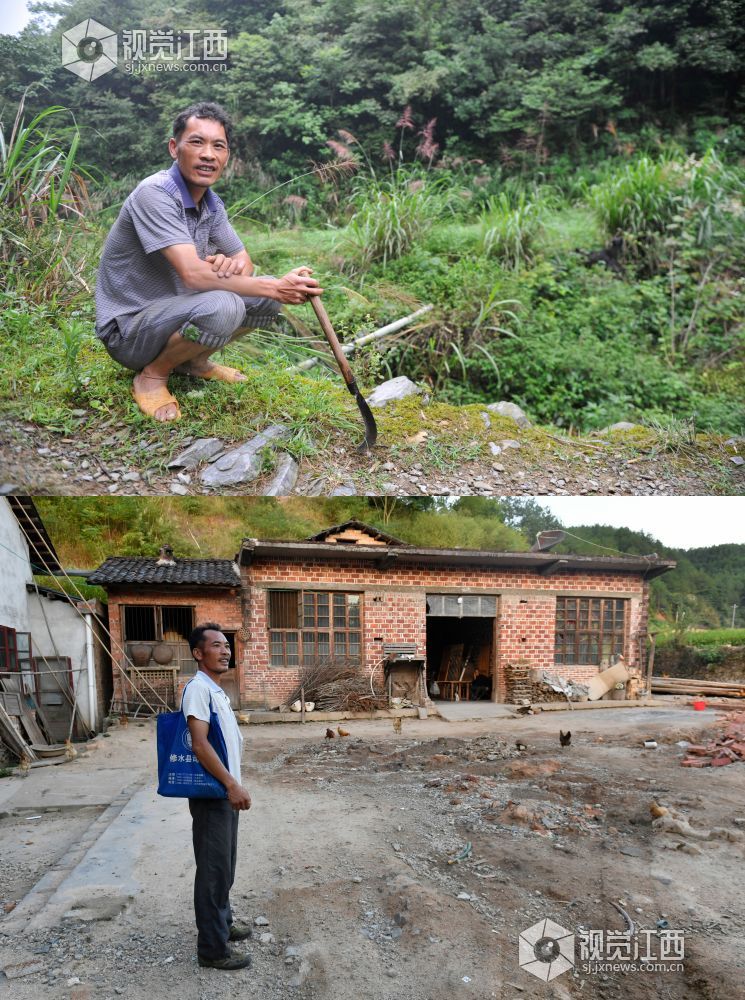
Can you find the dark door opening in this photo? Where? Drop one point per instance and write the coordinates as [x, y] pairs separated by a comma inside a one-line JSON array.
[[461, 650], [229, 681]]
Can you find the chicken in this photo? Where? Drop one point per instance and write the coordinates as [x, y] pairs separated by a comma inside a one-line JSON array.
[[70, 751], [524, 709], [330, 734], [24, 766], [565, 738], [341, 732], [123, 720], [397, 724]]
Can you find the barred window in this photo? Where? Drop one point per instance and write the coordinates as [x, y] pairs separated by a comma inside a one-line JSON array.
[[308, 626], [161, 623], [589, 630]]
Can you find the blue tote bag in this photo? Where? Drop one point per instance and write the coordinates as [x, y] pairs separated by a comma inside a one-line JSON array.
[[180, 775]]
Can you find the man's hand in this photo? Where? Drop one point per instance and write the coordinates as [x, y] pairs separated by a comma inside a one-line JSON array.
[[297, 286], [224, 266], [238, 796]]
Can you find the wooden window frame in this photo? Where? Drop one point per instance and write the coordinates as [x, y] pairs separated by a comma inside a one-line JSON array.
[[327, 629], [589, 630], [8, 650], [158, 616]]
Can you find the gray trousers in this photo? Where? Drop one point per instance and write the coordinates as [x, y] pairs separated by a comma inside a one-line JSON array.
[[215, 836], [208, 318]]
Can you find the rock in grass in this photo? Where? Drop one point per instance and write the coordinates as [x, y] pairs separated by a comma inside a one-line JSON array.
[[511, 410], [345, 490], [242, 464], [395, 388], [285, 477], [200, 451]]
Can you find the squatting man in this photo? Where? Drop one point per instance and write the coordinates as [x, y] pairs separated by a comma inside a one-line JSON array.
[[215, 821], [175, 283]]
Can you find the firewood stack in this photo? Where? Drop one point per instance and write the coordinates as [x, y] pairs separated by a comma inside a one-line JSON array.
[[519, 687]]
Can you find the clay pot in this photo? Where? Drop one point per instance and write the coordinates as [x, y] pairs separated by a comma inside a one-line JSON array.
[[140, 654], [163, 653]]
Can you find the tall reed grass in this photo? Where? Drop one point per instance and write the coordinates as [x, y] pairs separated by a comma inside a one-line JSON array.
[[41, 188]]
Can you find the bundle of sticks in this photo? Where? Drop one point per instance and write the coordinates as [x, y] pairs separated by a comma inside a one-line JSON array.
[[336, 687]]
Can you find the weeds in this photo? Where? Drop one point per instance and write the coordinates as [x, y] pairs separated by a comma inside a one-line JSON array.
[[640, 200], [673, 435], [510, 228], [41, 191], [73, 333], [390, 216]]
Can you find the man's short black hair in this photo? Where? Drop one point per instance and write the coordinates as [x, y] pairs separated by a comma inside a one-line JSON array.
[[203, 109], [197, 636]]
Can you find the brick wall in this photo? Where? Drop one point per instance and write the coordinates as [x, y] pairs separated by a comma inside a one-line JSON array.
[[394, 610], [210, 604]]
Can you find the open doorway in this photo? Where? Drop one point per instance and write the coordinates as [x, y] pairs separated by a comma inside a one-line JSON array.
[[461, 658], [229, 681]]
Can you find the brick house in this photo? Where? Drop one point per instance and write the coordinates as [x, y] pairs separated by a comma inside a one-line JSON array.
[[354, 593]]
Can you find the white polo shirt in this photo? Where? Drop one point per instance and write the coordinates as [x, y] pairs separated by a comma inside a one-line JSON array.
[[196, 702]]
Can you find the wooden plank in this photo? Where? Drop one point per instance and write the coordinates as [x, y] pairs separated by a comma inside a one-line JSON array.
[[29, 723], [12, 738], [11, 703], [456, 662]]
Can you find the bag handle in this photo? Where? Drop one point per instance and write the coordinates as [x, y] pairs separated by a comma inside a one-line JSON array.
[[181, 706]]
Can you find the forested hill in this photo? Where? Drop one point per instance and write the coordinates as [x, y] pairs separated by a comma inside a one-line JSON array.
[[508, 80], [700, 592]]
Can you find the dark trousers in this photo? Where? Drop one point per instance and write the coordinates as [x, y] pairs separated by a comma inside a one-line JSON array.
[[215, 835]]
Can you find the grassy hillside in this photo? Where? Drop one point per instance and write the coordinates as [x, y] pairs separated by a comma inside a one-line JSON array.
[[698, 594]]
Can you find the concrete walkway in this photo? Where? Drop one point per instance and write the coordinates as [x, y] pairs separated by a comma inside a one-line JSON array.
[[463, 711]]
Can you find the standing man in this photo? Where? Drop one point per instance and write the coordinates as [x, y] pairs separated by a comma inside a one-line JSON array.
[[175, 283], [215, 821]]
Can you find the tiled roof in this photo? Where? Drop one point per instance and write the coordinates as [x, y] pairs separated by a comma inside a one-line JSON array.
[[200, 572]]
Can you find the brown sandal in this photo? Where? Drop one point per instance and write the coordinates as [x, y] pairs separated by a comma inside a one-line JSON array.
[[150, 402]]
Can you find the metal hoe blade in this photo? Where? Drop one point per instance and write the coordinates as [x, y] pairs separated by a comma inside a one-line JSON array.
[[371, 429]]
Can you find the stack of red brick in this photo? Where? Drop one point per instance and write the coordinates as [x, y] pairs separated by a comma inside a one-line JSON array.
[[729, 748]]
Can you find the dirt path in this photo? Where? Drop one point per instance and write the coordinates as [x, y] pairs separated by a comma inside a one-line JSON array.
[[109, 460], [345, 856]]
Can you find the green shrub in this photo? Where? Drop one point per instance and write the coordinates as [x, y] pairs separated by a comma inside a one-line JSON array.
[[390, 216], [639, 200], [509, 229]]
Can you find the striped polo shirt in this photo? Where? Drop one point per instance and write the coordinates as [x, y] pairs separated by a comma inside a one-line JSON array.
[[159, 213]]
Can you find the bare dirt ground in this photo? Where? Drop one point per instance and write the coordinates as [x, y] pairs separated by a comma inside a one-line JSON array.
[[344, 858], [106, 459]]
